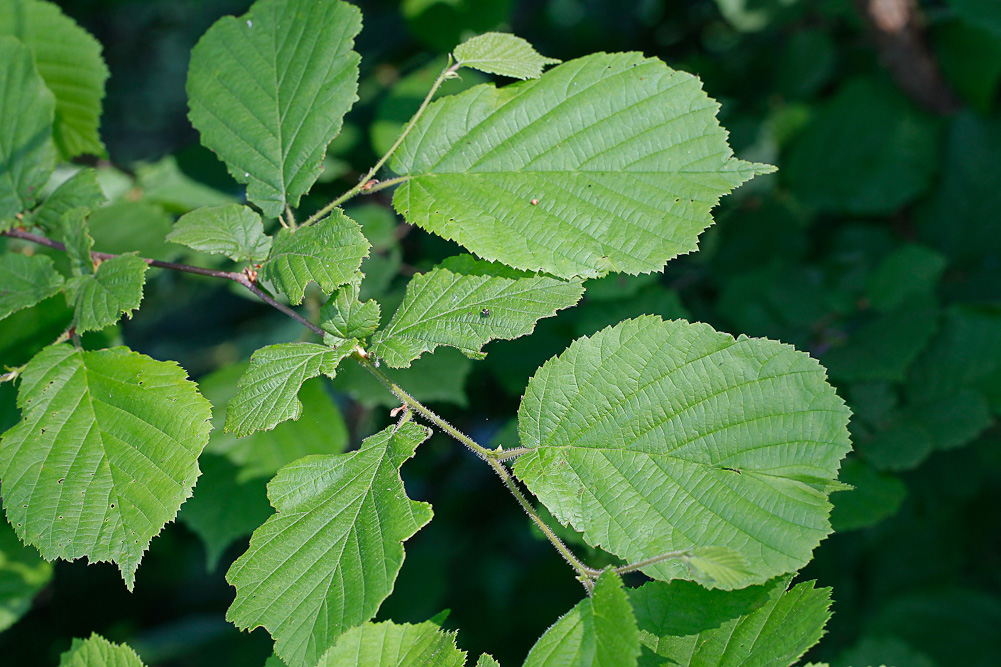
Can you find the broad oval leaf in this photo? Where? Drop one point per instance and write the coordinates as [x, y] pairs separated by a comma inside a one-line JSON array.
[[611, 162], [26, 149], [96, 651], [232, 230], [463, 305], [25, 280], [504, 54], [395, 645], [653, 437], [115, 288], [104, 455], [69, 59], [268, 92], [330, 554]]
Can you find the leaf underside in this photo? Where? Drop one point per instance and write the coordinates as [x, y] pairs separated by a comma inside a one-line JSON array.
[[232, 230], [504, 54], [395, 645]]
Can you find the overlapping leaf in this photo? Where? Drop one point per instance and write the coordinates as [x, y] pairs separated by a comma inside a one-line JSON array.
[[114, 289], [96, 651], [327, 253], [269, 388], [231, 230], [652, 436], [395, 645], [599, 632], [466, 304], [611, 162], [27, 109], [69, 59], [504, 54], [23, 574], [330, 555], [25, 280], [346, 317], [105, 453], [268, 91], [79, 191]]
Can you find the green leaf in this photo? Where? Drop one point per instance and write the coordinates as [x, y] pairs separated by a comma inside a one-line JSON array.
[[395, 645], [164, 183], [232, 230], [268, 389], [22, 575], [116, 288], [910, 271], [97, 651], [440, 377], [27, 110], [883, 651], [268, 92], [611, 162], [329, 556], [80, 191], [652, 437], [132, 226], [327, 253], [105, 453], [487, 660], [25, 280], [345, 317], [78, 241], [504, 54], [599, 632], [983, 13], [966, 351], [684, 624], [464, 306], [876, 496]]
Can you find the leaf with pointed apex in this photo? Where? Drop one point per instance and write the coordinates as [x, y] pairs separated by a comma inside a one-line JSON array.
[[69, 60], [651, 437], [78, 241], [346, 317], [80, 191], [268, 92], [330, 554], [467, 308], [232, 230], [327, 253], [599, 632], [684, 624], [27, 109], [611, 162], [23, 573], [504, 54], [100, 300], [96, 651], [26, 280], [391, 644], [269, 388], [105, 453], [717, 567], [487, 660]]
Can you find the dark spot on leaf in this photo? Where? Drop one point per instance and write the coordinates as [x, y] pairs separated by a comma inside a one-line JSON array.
[[485, 312]]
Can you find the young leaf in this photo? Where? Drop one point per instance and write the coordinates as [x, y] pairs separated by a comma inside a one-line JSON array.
[[27, 109], [116, 288], [232, 230], [651, 437], [466, 307], [504, 54], [268, 389], [96, 651], [329, 556], [78, 241], [268, 92], [345, 317], [599, 632], [80, 191], [684, 624], [611, 162], [22, 575], [25, 280], [105, 453], [487, 660], [327, 253], [395, 645], [69, 60]]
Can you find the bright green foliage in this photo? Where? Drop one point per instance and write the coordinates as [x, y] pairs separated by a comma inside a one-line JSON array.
[[599, 632], [268, 91], [684, 624], [80, 191], [329, 556], [116, 288], [346, 317], [27, 109], [327, 253], [25, 280], [22, 574], [69, 59], [504, 54], [653, 436], [105, 453], [268, 389], [232, 230], [463, 305], [78, 241], [395, 645], [96, 651], [486, 660], [611, 162]]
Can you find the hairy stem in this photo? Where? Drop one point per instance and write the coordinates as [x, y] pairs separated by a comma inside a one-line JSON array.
[[639, 565]]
